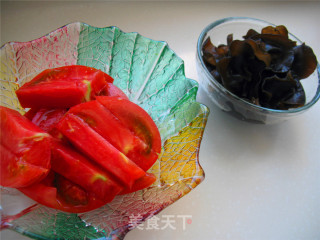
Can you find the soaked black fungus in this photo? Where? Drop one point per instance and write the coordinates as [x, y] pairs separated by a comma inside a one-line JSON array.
[[264, 68]]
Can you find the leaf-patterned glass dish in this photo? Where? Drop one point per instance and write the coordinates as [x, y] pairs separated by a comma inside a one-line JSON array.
[[152, 75]]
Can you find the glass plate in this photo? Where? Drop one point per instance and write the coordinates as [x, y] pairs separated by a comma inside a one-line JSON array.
[[152, 75]]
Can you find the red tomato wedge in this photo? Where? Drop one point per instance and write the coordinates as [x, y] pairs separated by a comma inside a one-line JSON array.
[[108, 126], [25, 154], [63, 87], [113, 91], [15, 172], [61, 94], [94, 146], [140, 184], [59, 193], [78, 169], [138, 121]]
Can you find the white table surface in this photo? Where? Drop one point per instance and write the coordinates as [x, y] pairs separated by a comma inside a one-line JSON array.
[[262, 182]]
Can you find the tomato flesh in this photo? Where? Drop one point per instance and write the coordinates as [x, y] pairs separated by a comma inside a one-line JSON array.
[[60, 94], [26, 149], [140, 184], [96, 116], [138, 121], [77, 168], [47, 119], [30, 114], [93, 145], [113, 91], [63, 87], [17, 173], [59, 193], [70, 192]]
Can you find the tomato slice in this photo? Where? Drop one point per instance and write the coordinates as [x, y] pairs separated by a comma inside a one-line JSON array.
[[77, 168], [96, 116], [26, 150], [138, 121], [140, 184], [63, 87], [17, 173], [113, 91], [59, 193], [60, 94], [98, 149]]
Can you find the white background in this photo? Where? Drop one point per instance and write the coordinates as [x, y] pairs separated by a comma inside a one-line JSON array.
[[262, 182]]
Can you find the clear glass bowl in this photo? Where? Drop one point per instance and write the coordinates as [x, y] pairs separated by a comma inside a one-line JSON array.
[[152, 75], [229, 102]]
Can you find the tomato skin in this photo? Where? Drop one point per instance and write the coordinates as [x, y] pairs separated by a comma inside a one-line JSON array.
[[63, 87], [140, 123], [77, 168], [140, 184], [94, 146], [28, 149], [49, 193]]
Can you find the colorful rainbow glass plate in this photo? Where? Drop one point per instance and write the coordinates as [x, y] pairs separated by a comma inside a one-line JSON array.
[[152, 75]]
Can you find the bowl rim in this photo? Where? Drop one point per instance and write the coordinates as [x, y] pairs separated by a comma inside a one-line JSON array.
[[239, 100]]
